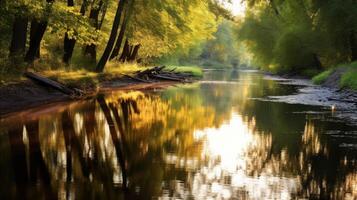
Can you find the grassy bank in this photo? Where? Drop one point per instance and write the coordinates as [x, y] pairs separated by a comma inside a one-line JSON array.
[[81, 78], [194, 70], [321, 77], [347, 79]]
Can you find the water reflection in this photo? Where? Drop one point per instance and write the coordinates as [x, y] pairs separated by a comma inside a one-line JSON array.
[[199, 141]]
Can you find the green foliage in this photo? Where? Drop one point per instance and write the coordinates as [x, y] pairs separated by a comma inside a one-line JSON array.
[[170, 29], [220, 51], [320, 78], [296, 35], [194, 70], [164, 28]]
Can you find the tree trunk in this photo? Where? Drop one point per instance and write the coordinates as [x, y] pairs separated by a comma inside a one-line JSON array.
[[134, 53], [68, 43], [353, 43], [125, 52], [35, 40], [116, 49], [33, 30], [91, 49], [108, 49], [120, 38], [18, 39]]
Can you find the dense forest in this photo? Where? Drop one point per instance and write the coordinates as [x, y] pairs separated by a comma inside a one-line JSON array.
[[87, 34], [301, 36]]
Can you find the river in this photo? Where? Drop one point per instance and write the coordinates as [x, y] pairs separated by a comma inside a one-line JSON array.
[[220, 138]]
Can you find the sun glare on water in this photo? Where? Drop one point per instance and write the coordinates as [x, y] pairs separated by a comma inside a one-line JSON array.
[[235, 151]]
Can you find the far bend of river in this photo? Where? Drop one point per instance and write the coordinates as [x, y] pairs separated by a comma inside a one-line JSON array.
[[208, 140]]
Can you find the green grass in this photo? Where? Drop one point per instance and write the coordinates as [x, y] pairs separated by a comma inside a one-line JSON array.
[[84, 79], [81, 78], [349, 79], [320, 78], [194, 70]]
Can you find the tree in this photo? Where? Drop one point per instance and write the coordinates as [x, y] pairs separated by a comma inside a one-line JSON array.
[[120, 38], [19, 35], [38, 32], [108, 49], [91, 49], [69, 43]]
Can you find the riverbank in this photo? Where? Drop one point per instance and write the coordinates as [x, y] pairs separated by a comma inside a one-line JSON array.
[[343, 76], [24, 94]]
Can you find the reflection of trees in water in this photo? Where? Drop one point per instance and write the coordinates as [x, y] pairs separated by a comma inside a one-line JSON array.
[[135, 145], [101, 147], [324, 170], [28, 163]]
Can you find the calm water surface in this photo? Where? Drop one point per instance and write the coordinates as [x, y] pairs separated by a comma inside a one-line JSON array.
[[209, 140]]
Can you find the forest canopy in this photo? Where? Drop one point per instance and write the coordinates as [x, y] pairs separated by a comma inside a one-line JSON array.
[[89, 33], [298, 35]]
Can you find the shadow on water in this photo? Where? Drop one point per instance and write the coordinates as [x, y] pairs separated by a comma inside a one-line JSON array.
[[205, 140]]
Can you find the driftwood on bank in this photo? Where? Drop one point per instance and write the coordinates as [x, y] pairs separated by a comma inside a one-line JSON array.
[[43, 81], [159, 73], [136, 78]]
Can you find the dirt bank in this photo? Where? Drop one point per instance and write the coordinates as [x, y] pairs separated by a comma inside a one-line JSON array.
[[23, 95]]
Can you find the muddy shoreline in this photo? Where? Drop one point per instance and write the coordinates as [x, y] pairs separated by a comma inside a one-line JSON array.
[[23, 96]]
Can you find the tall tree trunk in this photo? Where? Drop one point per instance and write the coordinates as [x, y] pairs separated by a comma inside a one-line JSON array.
[[33, 30], [35, 41], [68, 43], [353, 43], [120, 38], [125, 52], [91, 49], [19, 34], [134, 53], [108, 49]]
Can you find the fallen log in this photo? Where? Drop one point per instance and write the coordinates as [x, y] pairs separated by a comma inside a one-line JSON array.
[[156, 69], [137, 79], [167, 78], [53, 84]]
